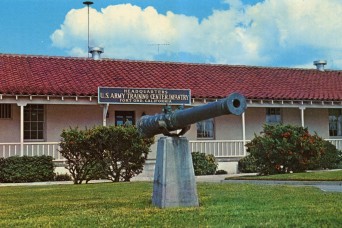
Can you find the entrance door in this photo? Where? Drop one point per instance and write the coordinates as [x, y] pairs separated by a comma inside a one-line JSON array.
[[124, 117]]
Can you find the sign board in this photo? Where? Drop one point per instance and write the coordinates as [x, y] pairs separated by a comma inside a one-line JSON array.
[[143, 96]]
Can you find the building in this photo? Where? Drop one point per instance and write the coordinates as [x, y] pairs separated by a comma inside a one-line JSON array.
[[41, 95]]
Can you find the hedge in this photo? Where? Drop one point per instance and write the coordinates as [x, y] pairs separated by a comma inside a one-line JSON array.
[[26, 169]]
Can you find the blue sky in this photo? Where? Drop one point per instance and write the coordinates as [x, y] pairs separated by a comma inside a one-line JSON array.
[[285, 33]]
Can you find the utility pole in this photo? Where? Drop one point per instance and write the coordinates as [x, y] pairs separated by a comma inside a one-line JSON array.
[[88, 3]]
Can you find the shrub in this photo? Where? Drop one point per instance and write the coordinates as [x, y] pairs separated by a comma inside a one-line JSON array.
[[339, 166], [115, 153], [2, 162], [248, 165], [331, 157], [121, 150], [221, 171], [285, 148], [63, 177], [204, 164], [26, 169], [96, 172], [76, 149]]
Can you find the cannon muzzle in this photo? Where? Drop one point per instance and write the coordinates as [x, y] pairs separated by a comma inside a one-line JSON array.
[[166, 122]]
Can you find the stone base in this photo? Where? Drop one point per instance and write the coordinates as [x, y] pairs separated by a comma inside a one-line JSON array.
[[174, 177]]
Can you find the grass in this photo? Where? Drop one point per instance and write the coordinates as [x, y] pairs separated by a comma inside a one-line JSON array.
[[129, 205], [308, 176]]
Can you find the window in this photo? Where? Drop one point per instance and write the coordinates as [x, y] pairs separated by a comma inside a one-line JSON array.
[[5, 111], [335, 122], [205, 129], [124, 117], [34, 122], [273, 116]]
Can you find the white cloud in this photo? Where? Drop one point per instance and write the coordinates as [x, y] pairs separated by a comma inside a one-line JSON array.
[[125, 31], [268, 33]]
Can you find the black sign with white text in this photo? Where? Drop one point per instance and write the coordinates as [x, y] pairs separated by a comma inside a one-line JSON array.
[[144, 96]]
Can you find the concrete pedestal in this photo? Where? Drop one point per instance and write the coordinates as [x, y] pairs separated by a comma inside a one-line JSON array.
[[174, 177]]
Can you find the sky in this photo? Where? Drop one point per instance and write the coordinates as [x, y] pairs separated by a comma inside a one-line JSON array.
[[275, 33]]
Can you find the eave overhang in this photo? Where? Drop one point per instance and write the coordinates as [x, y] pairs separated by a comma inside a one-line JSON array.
[[92, 100]]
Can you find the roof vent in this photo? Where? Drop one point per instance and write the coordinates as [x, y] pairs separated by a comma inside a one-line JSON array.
[[320, 64], [96, 52]]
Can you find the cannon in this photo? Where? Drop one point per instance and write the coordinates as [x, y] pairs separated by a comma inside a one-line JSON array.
[[181, 119], [174, 178]]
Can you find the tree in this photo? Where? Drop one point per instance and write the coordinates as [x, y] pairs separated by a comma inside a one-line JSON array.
[[76, 149], [116, 153], [121, 150]]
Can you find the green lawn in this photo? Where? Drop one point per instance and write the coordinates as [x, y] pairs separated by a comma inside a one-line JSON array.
[[309, 176], [129, 205]]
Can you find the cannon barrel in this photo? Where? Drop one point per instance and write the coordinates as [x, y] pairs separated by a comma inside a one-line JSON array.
[[149, 126]]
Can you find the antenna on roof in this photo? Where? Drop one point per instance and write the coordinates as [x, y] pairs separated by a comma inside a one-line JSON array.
[[88, 3], [158, 45]]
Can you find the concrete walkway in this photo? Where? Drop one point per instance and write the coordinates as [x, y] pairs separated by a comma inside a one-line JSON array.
[[209, 178], [328, 186]]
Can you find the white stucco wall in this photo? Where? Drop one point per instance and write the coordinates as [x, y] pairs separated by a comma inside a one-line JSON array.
[[10, 128], [255, 118], [291, 116], [59, 117], [228, 127], [317, 120]]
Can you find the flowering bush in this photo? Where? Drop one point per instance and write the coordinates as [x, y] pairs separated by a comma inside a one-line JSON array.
[[285, 148]]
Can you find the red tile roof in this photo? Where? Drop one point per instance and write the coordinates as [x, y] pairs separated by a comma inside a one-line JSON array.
[[42, 75]]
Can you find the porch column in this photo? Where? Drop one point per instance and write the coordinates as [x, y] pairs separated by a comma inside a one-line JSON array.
[[302, 115], [21, 105], [104, 115], [243, 133]]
